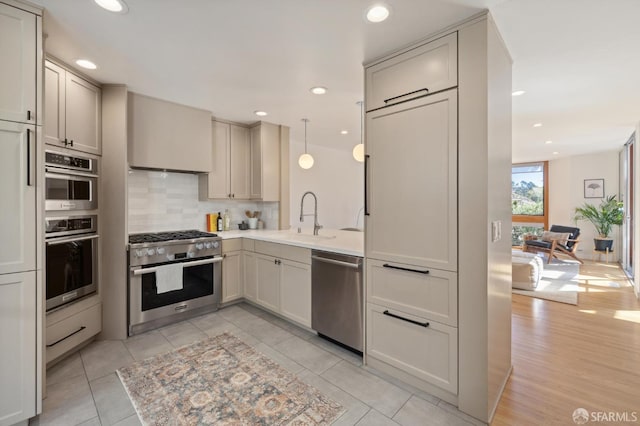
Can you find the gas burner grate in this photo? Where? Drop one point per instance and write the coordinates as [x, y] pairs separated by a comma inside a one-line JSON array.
[[168, 236]]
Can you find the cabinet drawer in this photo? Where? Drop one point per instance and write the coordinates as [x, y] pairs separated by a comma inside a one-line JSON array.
[[284, 251], [248, 244], [69, 333], [428, 353], [234, 244], [432, 66], [433, 296]]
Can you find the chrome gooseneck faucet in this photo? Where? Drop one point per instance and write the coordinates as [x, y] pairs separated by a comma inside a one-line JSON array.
[[316, 225]]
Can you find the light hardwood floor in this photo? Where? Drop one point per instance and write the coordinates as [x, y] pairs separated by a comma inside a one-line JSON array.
[[567, 357]]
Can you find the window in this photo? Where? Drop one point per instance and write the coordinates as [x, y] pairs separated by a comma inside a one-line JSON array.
[[529, 199]]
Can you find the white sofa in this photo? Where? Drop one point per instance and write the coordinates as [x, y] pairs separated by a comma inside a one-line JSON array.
[[526, 270]]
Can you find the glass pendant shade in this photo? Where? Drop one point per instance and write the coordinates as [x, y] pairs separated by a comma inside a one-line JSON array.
[[358, 152], [306, 160]]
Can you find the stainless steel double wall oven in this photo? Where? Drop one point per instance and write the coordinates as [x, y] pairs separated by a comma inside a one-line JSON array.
[[71, 234]]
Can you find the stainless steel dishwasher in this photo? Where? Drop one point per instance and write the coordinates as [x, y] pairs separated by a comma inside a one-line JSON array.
[[337, 298]]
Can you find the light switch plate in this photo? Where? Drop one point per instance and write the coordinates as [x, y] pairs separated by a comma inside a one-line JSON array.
[[496, 230]]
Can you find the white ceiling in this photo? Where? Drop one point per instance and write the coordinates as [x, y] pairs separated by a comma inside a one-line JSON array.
[[577, 60]]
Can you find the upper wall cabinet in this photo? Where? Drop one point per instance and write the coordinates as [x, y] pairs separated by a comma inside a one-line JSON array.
[[72, 110], [265, 162], [426, 69], [169, 136], [230, 173], [19, 52]]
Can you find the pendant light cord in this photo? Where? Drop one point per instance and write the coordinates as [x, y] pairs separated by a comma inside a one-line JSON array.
[[305, 134]]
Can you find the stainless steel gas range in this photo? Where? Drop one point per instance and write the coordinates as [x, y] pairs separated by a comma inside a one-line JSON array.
[[172, 276]]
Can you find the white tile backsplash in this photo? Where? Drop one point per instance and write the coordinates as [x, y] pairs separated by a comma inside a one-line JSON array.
[[167, 201]]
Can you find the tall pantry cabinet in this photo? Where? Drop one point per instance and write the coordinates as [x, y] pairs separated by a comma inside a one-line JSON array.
[[437, 131], [21, 248]]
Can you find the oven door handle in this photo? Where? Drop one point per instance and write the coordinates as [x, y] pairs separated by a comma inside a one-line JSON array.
[[143, 271], [57, 171], [71, 239]]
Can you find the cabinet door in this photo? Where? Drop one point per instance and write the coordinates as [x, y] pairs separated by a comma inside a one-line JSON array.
[[426, 69], [250, 277], [240, 162], [268, 282], [18, 50], [83, 115], [411, 165], [256, 163], [232, 275], [295, 291], [218, 185], [17, 178], [265, 162], [54, 104], [18, 337]]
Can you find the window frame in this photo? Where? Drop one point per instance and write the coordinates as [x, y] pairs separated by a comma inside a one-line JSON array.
[[544, 218]]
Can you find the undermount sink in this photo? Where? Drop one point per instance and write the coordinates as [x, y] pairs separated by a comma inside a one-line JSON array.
[[352, 229], [308, 237]]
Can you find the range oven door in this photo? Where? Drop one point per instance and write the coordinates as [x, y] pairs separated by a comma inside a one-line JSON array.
[[201, 286], [67, 190], [71, 268]]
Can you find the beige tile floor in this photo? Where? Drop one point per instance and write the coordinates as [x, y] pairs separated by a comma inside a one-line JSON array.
[[85, 390]]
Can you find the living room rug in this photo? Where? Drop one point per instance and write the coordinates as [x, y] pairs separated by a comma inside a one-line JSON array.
[[222, 381], [559, 283]]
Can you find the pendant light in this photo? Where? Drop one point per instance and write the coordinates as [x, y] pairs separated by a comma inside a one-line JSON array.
[[306, 160], [358, 150]]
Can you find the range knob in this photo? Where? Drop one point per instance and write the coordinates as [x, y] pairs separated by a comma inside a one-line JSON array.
[[151, 252], [160, 250], [216, 244], [199, 246], [140, 253], [207, 245]]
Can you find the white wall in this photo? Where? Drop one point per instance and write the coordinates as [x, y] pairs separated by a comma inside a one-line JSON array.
[[566, 192], [338, 182]]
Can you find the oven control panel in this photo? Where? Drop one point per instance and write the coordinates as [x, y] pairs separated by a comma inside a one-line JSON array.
[[162, 254]]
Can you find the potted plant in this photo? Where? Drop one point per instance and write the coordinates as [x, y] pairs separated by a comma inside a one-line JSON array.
[[603, 217]]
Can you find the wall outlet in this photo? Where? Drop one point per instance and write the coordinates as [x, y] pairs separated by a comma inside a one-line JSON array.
[[496, 230]]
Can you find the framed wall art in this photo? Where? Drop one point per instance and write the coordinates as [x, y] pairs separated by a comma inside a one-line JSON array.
[[594, 188]]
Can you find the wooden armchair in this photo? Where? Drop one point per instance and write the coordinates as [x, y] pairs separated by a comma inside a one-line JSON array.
[[558, 240]]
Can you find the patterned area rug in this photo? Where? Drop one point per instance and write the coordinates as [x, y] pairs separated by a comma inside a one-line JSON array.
[[222, 381]]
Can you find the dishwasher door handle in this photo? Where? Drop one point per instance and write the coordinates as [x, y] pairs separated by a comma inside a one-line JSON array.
[[336, 262]]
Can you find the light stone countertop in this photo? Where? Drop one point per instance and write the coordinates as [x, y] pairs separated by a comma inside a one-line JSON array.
[[333, 240]]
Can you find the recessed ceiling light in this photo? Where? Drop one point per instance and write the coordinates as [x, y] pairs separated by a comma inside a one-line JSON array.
[[344, 132], [548, 142], [537, 125], [85, 63], [377, 13], [116, 6], [260, 113], [518, 93], [318, 90], [555, 153]]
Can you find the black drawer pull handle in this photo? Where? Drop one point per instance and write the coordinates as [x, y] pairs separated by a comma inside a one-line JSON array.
[[418, 271], [406, 94], [366, 188], [65, 338], [421, 324]]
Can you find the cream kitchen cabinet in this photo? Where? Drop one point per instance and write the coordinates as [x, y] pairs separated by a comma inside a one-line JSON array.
[[230, 172], [250, 276], [18, 181], [283, 280], [166, 135], [18, 368], [265, 162], [73, 110], [268, 282], [232, 270], [424, 349], [69, 328], [20, 35], [417, 173], [417, 72]]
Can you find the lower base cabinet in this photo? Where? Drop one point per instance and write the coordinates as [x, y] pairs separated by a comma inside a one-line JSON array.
[[250, 278], [232, 276], [72, 331], [268, 282], [295, 291], [18, 337], [425, 349]]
